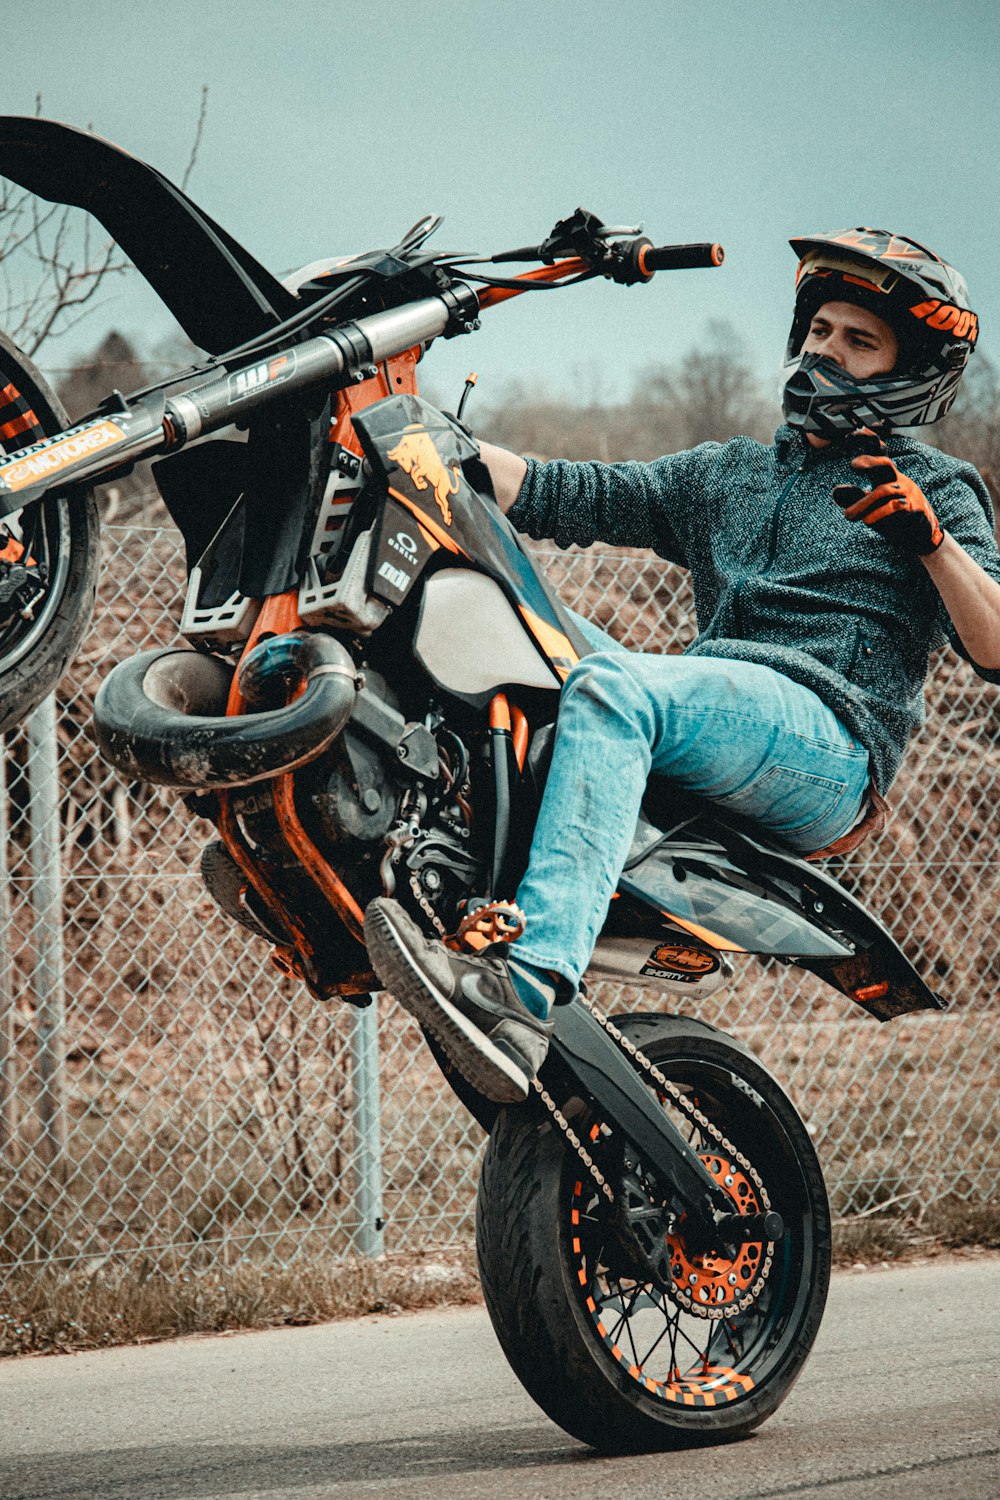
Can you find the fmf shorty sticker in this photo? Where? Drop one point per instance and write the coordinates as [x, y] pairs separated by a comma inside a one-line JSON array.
[[47, 457], [679, 962], [269, 372], [417, 456]]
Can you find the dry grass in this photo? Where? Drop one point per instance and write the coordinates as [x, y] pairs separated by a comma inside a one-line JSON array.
[[52, 1311], [949, 1224]]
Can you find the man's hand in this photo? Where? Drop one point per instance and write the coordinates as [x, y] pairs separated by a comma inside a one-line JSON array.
[[896, 506]]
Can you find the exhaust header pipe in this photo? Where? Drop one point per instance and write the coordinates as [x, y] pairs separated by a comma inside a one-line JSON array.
[[161, 716]]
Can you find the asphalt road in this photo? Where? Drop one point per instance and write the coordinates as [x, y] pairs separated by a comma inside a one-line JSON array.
[[901, 1398]]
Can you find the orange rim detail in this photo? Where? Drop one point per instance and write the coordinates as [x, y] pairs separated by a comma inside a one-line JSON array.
[[705, 1383], [26, 422]]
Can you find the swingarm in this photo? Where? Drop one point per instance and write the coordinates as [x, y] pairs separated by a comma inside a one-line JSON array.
[[600, 1068]]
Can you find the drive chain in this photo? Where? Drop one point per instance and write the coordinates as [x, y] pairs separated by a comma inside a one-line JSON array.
[[689, 1108]]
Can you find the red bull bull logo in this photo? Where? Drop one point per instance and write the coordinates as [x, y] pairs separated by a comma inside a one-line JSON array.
[[417, 456]]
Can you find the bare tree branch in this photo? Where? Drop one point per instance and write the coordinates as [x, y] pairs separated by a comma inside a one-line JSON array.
[[49, 270], [202, 112]]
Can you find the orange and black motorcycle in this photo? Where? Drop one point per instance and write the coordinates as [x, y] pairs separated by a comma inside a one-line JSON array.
[[367, 707]]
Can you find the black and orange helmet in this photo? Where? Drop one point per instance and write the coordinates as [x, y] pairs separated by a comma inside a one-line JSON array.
[[925, 302]]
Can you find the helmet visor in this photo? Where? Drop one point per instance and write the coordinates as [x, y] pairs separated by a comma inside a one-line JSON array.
[[873, 278]]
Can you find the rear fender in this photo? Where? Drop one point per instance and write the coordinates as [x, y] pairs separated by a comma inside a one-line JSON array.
[[737, 893]]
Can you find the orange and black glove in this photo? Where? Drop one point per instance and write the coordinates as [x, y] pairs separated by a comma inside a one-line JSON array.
[[896, 507]]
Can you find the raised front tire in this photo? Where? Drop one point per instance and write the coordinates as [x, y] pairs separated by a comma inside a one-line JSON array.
[[611, 1356], [49, 554]]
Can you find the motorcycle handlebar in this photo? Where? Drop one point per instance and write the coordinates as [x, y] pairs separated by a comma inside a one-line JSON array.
[[121, 435], [679, 257]]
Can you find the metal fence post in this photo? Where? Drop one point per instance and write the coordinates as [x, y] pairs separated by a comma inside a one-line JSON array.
[[366, 1121], [8, 1056], [46, 900]]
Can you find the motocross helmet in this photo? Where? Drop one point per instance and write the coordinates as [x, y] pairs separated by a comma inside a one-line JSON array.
[[925, 302]]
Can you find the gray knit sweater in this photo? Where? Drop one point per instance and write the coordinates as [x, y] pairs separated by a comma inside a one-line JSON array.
[[780, 577]]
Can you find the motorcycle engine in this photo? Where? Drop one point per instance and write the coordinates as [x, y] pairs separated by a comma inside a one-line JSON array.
[[383, 830]]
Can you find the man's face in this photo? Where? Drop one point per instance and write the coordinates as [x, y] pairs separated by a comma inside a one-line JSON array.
[[857, 340]]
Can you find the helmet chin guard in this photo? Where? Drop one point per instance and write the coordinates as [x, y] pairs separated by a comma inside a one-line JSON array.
[[822, 398]]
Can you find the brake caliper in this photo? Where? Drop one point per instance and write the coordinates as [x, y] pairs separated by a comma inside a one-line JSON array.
[[21, 580]]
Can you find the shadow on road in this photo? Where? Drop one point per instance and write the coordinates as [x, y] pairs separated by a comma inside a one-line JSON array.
[[167, 1470]]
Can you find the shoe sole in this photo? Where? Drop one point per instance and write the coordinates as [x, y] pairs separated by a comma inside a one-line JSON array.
[[479, 1060]]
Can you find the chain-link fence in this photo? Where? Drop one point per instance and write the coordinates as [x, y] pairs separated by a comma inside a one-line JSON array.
[[167, 1096]]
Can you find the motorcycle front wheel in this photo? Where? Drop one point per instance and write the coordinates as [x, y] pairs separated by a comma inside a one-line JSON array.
[[49, 554], [610, 1355]]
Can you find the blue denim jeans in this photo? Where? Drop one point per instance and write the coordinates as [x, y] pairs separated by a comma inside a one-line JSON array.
[[750, 739]]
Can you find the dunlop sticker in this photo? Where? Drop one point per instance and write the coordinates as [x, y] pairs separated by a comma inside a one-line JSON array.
[[46, 458]]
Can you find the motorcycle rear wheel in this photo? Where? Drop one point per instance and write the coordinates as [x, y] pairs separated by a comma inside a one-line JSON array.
[[60, 537], [612, 1359]]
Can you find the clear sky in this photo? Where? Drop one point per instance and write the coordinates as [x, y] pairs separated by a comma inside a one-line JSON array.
[[333, 124]]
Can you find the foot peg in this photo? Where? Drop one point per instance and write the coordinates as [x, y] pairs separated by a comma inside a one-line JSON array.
[[496, 922]]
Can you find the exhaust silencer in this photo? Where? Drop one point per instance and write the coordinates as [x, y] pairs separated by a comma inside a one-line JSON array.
[[161, 716]]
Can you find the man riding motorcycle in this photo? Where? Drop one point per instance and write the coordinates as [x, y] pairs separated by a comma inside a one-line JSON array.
[[818, 600]]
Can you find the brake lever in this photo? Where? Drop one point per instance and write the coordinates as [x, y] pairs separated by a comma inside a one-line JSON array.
[[580, 234]]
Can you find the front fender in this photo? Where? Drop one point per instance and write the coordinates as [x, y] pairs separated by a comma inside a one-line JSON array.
[[217, 291]]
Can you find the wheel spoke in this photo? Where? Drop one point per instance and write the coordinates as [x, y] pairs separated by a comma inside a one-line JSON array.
[[690, 1358]]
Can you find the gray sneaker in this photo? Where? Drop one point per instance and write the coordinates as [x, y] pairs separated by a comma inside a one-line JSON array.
[[467, 1002]]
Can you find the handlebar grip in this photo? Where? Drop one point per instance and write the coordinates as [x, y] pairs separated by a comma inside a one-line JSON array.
[[679, 257]]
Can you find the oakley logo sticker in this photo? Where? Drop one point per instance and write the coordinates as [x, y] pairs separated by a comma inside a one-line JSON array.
[[417, 456], [405, 545]]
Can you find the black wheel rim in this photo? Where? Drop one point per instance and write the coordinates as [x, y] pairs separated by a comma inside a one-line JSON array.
[[42, 531], [670, 1355]]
